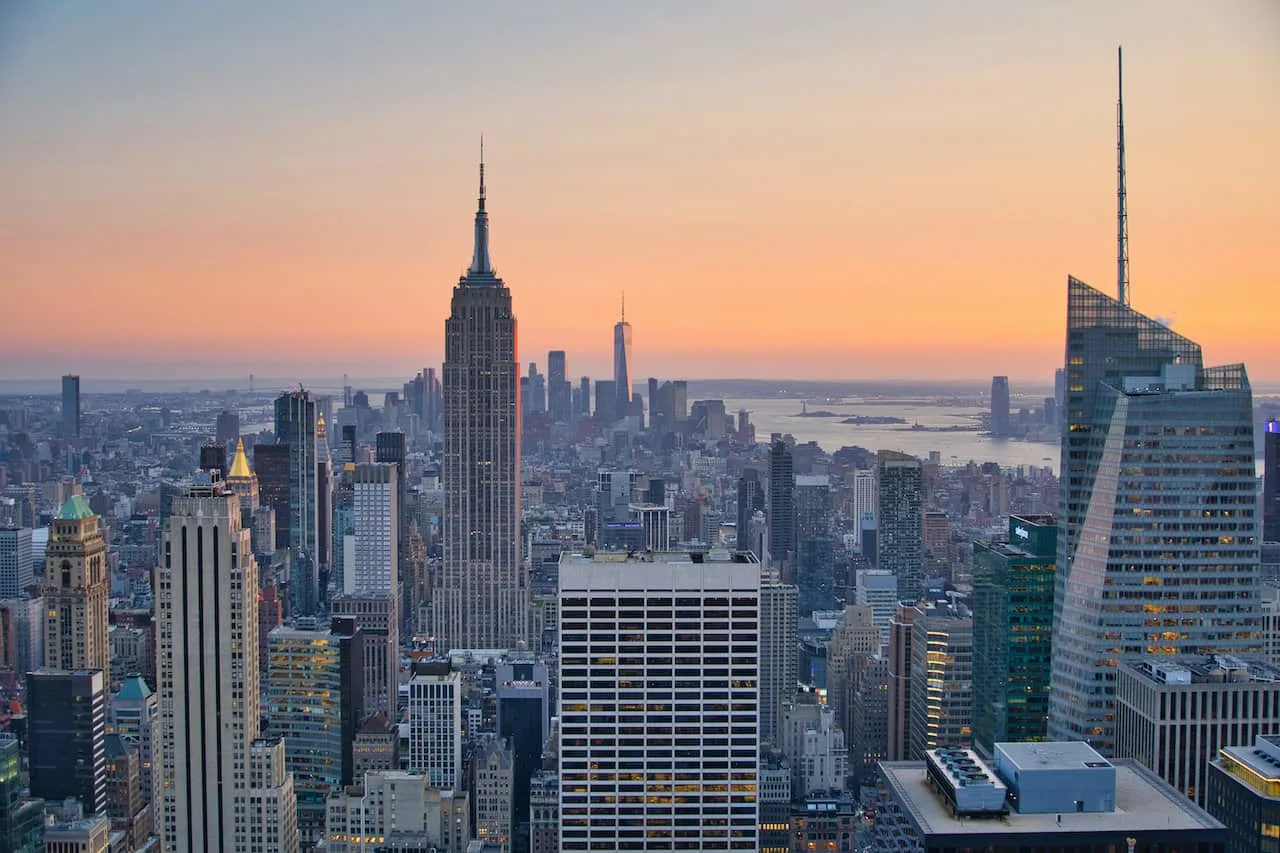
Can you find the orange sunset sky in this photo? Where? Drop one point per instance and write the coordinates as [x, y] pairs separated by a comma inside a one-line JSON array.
[[800, 190]]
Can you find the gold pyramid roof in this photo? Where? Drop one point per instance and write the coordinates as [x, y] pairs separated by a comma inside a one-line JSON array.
[[240, 465]]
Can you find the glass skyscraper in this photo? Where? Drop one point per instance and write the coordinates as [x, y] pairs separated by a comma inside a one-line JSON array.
[[1158, 536], [1012, 621], [296, 427]]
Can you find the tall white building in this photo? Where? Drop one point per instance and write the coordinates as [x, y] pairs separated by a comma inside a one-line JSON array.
[[207, 650], [779, 654], [480, 598], [814, 743], [376, 565], [16, 572], [659, 700], [435, 728], [865, 498]]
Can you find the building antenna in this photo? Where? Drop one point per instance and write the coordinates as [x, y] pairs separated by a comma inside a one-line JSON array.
[[624, 307], [1122, 202]]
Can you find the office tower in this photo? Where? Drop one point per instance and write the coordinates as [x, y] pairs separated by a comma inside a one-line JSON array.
[[865, 500], [394, 810], [1244, 793], [128, 810], [390, 449], [535, 403], [878, 589], [606, 411], [207, 615], [16, 568], [616, 491], [1063, 797], [1146, 422], [315, 690], [941, 678], [269, 806], [814, 744], [815, 543], [67, 725], [435, 726], [937, 535], [620, 615], [900, 521], [1175, 714], [584, 393], [622, 362], [375, 570], [134, 715], [76, 589], [347, 449], [376, 616], [71, 407], [227, 428], [1012, 630], [782, 505], [68, 829], [493, 787], [1000, 407], [324, 505], [779, 654], [523, 694], [751, 499], [480, 597], [296, 429], [21, 821], [213, 457], [271, 463], [1271, 481], [868, 736], [558, 397], [900, 656], [853, 641]]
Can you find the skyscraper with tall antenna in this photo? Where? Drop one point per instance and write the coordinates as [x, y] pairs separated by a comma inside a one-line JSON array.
[[1122, 201], [622, 361], [479, 598]]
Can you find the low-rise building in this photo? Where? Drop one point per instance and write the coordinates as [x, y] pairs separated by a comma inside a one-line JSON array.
[[1243, 791]]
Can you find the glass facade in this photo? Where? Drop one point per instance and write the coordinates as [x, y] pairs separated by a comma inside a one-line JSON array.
[[1012, 628], [1158, 544]]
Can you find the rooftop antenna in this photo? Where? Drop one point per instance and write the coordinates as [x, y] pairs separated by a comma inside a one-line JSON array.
[[1122, 204], [624, 306]]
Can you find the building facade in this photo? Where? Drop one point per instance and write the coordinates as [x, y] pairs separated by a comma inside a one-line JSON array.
[[941, 679], [1154, 444], [16, 569], [67, 729], [659, 700], [779, 654], [1013, 586], [76, 591], [900, 521], [435, 728], [480, 599]]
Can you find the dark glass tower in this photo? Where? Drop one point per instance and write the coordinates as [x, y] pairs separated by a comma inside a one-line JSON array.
[[750, 500], [1158, 539], [782, 502], [296, 428], [71, 407], [1012, 630], [900, 521], [1000, 406], [271, 464], [68, 727], [479, 601]]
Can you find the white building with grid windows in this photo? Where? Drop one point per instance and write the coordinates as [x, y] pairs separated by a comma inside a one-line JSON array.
[[659, 701], [435, 728], [376, 569]]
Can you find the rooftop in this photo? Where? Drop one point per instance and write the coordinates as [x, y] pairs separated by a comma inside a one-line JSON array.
[[1063, 755], [1204, 669], [1144, 802], [74, 509]]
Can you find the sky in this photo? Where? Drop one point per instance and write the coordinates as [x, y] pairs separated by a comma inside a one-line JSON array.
[[835, 190]]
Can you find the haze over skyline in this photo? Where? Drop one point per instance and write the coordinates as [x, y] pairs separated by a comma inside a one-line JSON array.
[[832, 190]]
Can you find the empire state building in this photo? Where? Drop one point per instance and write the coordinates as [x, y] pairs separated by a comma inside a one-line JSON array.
[[480, 599]]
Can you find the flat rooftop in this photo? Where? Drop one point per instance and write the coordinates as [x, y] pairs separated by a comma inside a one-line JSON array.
[[1143, 803], [1204, 669]]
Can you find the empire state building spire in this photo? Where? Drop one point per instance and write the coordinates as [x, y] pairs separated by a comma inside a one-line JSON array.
[[480, 265]]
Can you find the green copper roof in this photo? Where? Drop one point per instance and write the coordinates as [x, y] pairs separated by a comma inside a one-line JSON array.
[[134, 689], [76, 507]]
